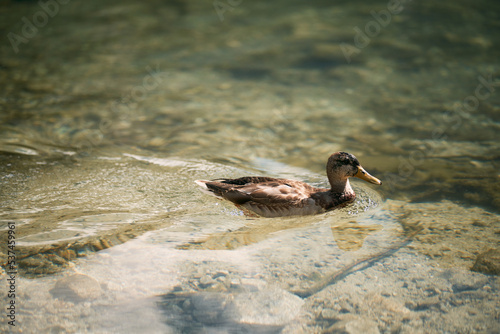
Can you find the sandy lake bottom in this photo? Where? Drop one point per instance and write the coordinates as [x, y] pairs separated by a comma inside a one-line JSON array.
[[109, 112]]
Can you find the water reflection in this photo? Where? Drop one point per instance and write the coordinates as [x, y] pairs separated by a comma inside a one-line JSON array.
[[257, 230]]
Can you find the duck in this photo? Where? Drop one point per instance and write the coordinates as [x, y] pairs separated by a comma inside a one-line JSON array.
[[275, 197]]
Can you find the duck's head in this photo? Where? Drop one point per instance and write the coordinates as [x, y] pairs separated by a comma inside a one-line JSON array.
[[342, 165]]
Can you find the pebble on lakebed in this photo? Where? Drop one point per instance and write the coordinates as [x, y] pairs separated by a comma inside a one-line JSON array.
[[76, 288], [488, 262]]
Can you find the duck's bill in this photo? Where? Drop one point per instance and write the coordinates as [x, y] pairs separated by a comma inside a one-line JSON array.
[[364, 175]]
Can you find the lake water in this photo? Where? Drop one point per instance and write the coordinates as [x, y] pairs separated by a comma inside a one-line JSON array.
[[109, 112]]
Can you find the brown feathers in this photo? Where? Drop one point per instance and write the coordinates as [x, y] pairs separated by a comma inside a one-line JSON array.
[[271, 197]]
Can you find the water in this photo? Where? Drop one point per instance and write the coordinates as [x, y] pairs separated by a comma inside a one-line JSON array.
[[108, 113]]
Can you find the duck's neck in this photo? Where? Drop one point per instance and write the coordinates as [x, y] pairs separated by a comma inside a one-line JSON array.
[[341, 187]]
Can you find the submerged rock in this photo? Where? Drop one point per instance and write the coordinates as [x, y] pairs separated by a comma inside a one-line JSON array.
[[270, 306], [354, 325], [76, 288], [265, 311], [210, 308], [488, 262]]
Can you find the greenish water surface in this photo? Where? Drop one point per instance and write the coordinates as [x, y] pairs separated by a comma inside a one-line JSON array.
[[109, 112]]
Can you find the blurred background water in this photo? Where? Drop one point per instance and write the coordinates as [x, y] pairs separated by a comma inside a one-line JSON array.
[[109, 111]]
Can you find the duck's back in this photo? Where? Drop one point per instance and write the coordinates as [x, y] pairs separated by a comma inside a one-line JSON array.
[[268, 197]]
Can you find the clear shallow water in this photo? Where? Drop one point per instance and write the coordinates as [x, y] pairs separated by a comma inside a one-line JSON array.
[[110, 112]]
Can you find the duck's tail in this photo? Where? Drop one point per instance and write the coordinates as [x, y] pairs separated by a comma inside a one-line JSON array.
[[206, 189]]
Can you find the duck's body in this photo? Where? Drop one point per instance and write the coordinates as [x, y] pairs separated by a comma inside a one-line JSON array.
[[271, 197]]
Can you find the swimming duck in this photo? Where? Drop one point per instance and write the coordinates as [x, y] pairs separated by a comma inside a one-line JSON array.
[[271, 197]]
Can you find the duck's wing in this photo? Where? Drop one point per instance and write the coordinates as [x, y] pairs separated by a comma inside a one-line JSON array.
[[277, 197], [219, 187], [275, 192], [247, 180], [268, 197]]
